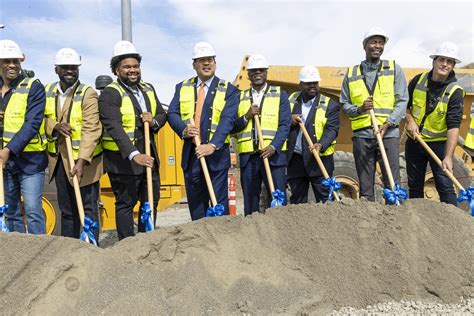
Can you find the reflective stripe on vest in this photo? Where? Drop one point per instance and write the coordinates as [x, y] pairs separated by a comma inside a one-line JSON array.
[[383, 95], [74, 118], [434, 125], [14, 117], [187, 103], [469, 142], [320, 119], [269, 119], [128, 113]]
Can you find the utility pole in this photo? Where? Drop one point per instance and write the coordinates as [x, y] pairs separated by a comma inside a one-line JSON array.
[[126, 20]]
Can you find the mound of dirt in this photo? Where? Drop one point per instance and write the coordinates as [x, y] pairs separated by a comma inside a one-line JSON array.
[[297, 259]]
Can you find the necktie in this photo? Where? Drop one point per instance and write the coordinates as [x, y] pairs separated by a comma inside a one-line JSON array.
[[200, 103]]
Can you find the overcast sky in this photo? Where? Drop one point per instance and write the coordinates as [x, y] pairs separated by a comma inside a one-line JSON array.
[[286, 32]]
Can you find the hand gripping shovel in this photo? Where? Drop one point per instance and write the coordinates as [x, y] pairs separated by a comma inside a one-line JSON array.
[[3, 206], [88, 225], [215, 209], [147, 208], [464, 194], [327, 182], [396, 194], [278, 196]]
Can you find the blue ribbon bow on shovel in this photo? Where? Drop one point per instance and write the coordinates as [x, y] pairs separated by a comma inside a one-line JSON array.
[[88, 230], [333, 185], [468, 196], [279, 198], [146, 217], [3, 226], [217, 210], [395, 197]]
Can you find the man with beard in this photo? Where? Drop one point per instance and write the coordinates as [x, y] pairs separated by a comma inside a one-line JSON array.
[[212, 103], [72, 111], [320, 116], [434, 112], [379, 85], [22, 104], [272, 105], [124, 106]]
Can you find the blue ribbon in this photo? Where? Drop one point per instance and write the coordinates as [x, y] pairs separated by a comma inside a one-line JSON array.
[[333, 185], [88, 230], [279, 198], [3, 226], [146, 217], [395, 197], [217, 210], [468, 196]]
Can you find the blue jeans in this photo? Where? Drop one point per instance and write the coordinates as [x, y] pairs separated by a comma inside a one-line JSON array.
[[31, 188]]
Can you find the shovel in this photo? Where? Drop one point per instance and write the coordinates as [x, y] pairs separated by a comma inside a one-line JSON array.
[[278, 196], [147, 207], [215, 209], [331, 182], [464, 194], [88, 225], [396, 194], [3, 206]]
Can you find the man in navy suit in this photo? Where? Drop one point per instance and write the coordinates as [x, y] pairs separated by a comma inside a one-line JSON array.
[[272, 104], [212, 104], [320, 116], [22, 104]]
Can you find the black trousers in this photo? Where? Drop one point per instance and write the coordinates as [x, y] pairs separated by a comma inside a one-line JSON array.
[[366, 154], [128, 190], [299, 182], [417, 159], [70, 222]]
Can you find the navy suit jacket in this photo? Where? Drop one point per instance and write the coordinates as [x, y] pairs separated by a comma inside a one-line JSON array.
[[220, 159], [284, 123], [330, 132], [29, 163]]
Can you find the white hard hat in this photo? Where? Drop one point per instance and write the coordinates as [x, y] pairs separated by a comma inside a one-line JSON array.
[[447, 49], [67, 56], [309, 74], [373, 32], [10, 49], [124, 48], [257, 61], [203, 49]]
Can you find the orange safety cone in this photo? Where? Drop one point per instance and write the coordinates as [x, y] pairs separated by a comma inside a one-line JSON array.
[[232, 205]]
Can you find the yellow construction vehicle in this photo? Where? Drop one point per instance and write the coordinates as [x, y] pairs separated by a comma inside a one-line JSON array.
[[330, 85]]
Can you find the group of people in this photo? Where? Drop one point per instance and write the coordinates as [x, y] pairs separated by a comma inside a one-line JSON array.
[[107, 132]]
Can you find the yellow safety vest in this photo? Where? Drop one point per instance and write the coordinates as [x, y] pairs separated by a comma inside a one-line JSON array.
[[269, 118], [320, 119], [383, 94], [14, 118], [128, 113], [434, 124], [187, 103], [74, 118], [469, 142]]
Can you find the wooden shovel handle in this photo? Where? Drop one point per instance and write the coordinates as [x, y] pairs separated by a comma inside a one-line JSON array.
[[149, 178], [202, 160], [266, 163], [75, 182], [316, 155], [438, 161]]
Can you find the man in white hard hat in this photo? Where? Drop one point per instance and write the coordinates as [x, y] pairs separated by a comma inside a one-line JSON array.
[[434, 112], [124, 106], [211, 103], [320, 116], [22, 104], [379, 85], [72, 111], [272, 105]]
